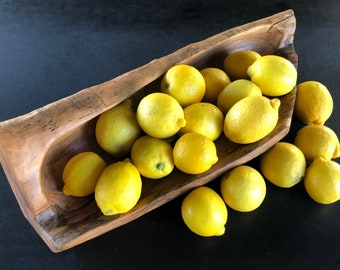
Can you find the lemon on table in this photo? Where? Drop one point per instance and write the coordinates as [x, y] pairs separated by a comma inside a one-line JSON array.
[[243, 188], [215, 80], [236, 64], [118, 188], [204, 118], [152, 157], [185, 83], [117, 129], [251, 119], [275, 75], [314, 103], [194, 153], [160, 115], [284, 165], [81, 173], [322, 181], [204, 212], [235, 91], [317, 141]]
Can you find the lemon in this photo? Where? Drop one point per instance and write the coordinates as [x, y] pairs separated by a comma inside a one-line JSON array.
[[215, 80], [243, 188], [317, 141], [204, 212], [117, 129], [275, 75], [152, 157], [160, 115], [322, 181], [185, 83], [236, 64], [194, 153], [81, 173], [284, 165], [314, 103], [204, 118], [235, 91], [118, 188], [251, 119]]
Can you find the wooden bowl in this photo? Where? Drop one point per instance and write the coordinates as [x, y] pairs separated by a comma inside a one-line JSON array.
[[35, 147]]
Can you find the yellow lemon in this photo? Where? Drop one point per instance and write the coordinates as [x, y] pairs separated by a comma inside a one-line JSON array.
[[215, 80], [251, 119], [81, 173], [243, 188], [204, 118], [204, 212], [194, 153], [317, 141], [185, 83], [235, 91], [284, 165], [160, 115], [117, 129], [275, 75], [236, 64], [322, 181], [314, 103], [152, 157], [118, 188]]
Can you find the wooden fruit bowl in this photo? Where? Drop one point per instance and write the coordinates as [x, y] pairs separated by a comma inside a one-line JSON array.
[[35, 147]]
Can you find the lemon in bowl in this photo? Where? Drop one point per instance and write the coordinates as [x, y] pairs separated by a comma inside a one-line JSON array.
[[275, 75], [203, 118], [215, 80], [81, 173], [160, 115], [194, 153], [185, 83], [152, 157], [117, 129], [234, 92], [237, 63], [251, 119], [118, 188]]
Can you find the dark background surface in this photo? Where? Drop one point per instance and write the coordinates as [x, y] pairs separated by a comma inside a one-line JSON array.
[[51, 49]]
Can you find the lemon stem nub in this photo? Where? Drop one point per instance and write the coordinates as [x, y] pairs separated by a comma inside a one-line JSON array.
[[221, 231], [337, 151], [160, 166], [108, 212], [181, 122], [275, 103]]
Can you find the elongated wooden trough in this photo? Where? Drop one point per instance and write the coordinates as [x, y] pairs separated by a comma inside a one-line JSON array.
[[35, 147]]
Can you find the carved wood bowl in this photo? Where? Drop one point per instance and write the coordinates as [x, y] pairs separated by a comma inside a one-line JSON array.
[[35, 147]]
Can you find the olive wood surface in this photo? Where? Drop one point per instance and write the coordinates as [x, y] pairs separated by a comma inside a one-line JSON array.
[[35, 147]]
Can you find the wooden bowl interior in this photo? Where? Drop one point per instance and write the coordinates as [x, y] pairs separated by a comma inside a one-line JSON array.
[[82, 137]]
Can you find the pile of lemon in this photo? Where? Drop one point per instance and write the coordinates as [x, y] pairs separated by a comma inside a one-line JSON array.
[[177, 126], [309, 158]]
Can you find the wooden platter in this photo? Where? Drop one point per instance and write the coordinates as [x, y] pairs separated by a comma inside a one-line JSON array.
[[35, 147]]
